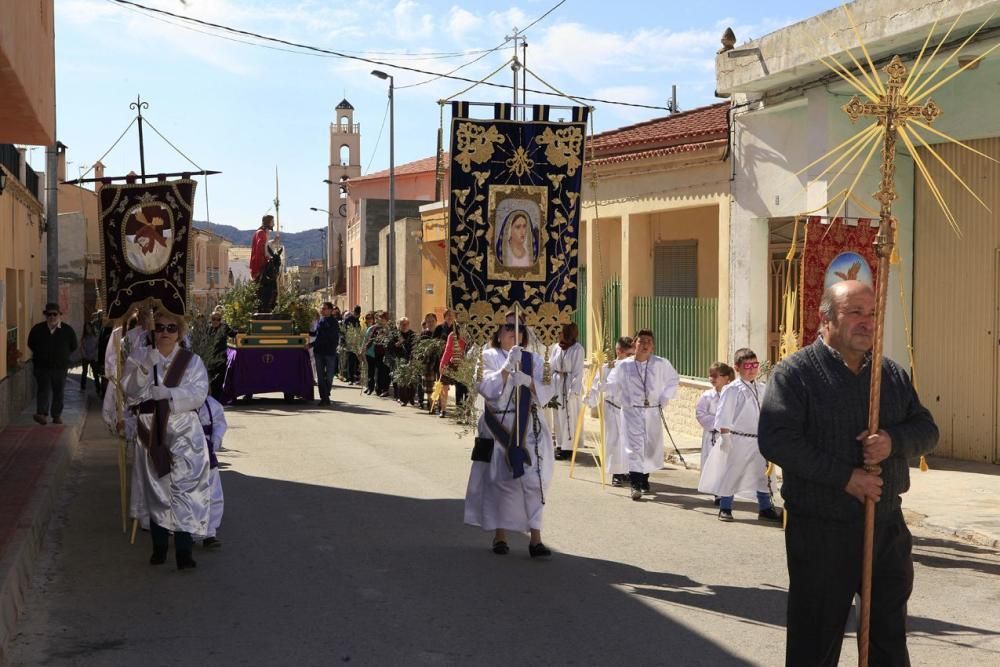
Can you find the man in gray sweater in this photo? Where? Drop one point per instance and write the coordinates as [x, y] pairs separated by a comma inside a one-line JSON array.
[[813, 423]]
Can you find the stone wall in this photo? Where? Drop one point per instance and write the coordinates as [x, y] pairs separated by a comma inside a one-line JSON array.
[[16, 391], [680, 411]]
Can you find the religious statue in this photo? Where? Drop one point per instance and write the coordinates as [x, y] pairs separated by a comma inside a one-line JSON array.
[[265, 264]]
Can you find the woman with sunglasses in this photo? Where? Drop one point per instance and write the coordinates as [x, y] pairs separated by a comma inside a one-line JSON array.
[[164, 386], [735, 466]]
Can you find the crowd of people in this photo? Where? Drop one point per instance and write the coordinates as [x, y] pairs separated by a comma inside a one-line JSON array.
[[810, 418]]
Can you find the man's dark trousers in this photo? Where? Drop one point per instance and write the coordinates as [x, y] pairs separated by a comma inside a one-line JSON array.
[[824, 572], [326, 368], [51, 383]]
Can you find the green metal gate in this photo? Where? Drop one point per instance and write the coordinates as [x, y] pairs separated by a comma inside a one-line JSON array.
[[580, 316], [686, 330], [611, 314]]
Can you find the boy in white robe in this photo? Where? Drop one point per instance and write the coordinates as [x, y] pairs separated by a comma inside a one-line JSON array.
[[735, 466], [213, 423], [719, 375], [615, 459], [642, 385], [566, 363]]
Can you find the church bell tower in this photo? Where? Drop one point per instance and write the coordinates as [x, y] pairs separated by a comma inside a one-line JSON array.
[[345, 164]]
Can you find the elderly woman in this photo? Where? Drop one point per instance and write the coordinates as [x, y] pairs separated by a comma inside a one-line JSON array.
[[512, 458], [164, 386]]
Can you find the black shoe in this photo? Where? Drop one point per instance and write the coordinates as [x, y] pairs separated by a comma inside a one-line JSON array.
[[717, 501], [367, 392], [211, 543], [500, 548], [726, 515], [636, 492], [184, 561], [770, 514], [645, 486], [560, 454], [539, 550], [159, 556], [616, 480]]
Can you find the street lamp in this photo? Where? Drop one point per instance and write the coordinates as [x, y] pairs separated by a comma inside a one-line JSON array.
[[326, 247], [391, 246]]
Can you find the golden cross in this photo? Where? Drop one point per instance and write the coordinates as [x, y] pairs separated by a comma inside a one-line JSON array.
[[891, 111]]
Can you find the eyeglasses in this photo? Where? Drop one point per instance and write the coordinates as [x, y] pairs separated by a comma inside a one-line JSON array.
[[169, 328], [751, 364], [51, 314]]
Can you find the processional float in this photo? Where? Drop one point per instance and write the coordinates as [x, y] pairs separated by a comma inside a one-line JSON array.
[[900, 108]]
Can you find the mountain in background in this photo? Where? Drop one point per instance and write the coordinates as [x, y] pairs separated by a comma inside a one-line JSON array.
[[300, 247]]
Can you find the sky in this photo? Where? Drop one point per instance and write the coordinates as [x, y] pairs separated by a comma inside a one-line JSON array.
[[246, 110]]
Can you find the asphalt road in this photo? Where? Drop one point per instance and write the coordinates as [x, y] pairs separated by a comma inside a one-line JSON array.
[[344, 544]]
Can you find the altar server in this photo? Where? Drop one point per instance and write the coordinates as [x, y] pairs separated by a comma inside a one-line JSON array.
[[566, 363], [615, 458], [719, 375], [164, 386], [642, 386], [735, 466], [512, 457], [213, 423]]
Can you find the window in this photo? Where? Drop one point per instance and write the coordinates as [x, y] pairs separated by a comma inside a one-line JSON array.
[[315, 281], [345, 155], [675, 269]]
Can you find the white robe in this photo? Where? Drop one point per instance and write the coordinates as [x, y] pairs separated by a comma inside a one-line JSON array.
[[632, 384], [704, 412], [735, 466], [567, 376], [615, 457], [493, 498], [211, 413], [180, 500]]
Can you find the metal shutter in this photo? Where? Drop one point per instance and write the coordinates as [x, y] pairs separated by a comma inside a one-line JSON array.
[[675, 269]]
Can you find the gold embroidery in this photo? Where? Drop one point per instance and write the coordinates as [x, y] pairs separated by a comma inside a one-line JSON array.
[[474, 144], [520, 164], [562, 147]]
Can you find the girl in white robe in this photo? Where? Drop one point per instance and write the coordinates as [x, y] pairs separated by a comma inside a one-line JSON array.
[[179, 500], [735, 467], [615, 457], [213, 422], [642, 385], [495, 500], [566, 362], [719, 375]]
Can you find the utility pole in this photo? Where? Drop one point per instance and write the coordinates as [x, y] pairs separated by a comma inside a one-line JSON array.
[[52, 223]]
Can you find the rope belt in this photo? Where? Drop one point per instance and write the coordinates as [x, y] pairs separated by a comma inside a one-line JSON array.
[[613, 404], [745, 435], [646, 407]]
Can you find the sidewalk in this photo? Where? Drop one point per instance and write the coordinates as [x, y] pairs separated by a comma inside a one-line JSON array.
[[959, 498], [33, 463]]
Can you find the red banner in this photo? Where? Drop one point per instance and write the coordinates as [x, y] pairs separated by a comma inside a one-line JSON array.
[[834, 251]]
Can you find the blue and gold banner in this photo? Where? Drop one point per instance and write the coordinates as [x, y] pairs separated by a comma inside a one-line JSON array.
[[514, 220], [145, 231]]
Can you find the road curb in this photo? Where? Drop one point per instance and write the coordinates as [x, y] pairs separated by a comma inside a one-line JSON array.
[[19, 558]]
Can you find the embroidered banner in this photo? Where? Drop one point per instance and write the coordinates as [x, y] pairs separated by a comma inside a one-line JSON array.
[[514, 218], [145, 231], [833, 252]]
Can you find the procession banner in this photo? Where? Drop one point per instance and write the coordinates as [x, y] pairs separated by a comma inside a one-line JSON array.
[[514, 218], [145, 233], [834, 251]]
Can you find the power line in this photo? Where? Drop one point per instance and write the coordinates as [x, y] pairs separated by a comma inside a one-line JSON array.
[[379, 139], [371, 61]]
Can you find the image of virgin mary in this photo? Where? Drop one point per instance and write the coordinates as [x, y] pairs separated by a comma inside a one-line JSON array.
[[517, 245]]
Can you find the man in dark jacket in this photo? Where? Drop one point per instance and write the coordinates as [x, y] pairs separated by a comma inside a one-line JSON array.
[[326, 338], [51, 342], [813, 423]]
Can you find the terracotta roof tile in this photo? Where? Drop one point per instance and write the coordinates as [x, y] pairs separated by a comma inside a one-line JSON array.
[[658, 152], [688, 127], [416, 167]]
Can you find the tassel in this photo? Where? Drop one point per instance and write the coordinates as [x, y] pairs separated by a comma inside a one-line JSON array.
[[923, 464]]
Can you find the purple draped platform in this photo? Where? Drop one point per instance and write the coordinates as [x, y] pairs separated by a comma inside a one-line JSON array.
[[264, 370]]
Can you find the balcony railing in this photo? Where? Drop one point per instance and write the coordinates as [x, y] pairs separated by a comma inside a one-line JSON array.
[[10, 158]]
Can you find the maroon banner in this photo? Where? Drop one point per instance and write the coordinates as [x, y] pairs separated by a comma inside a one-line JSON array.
[[834, 251], [145, 231]]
